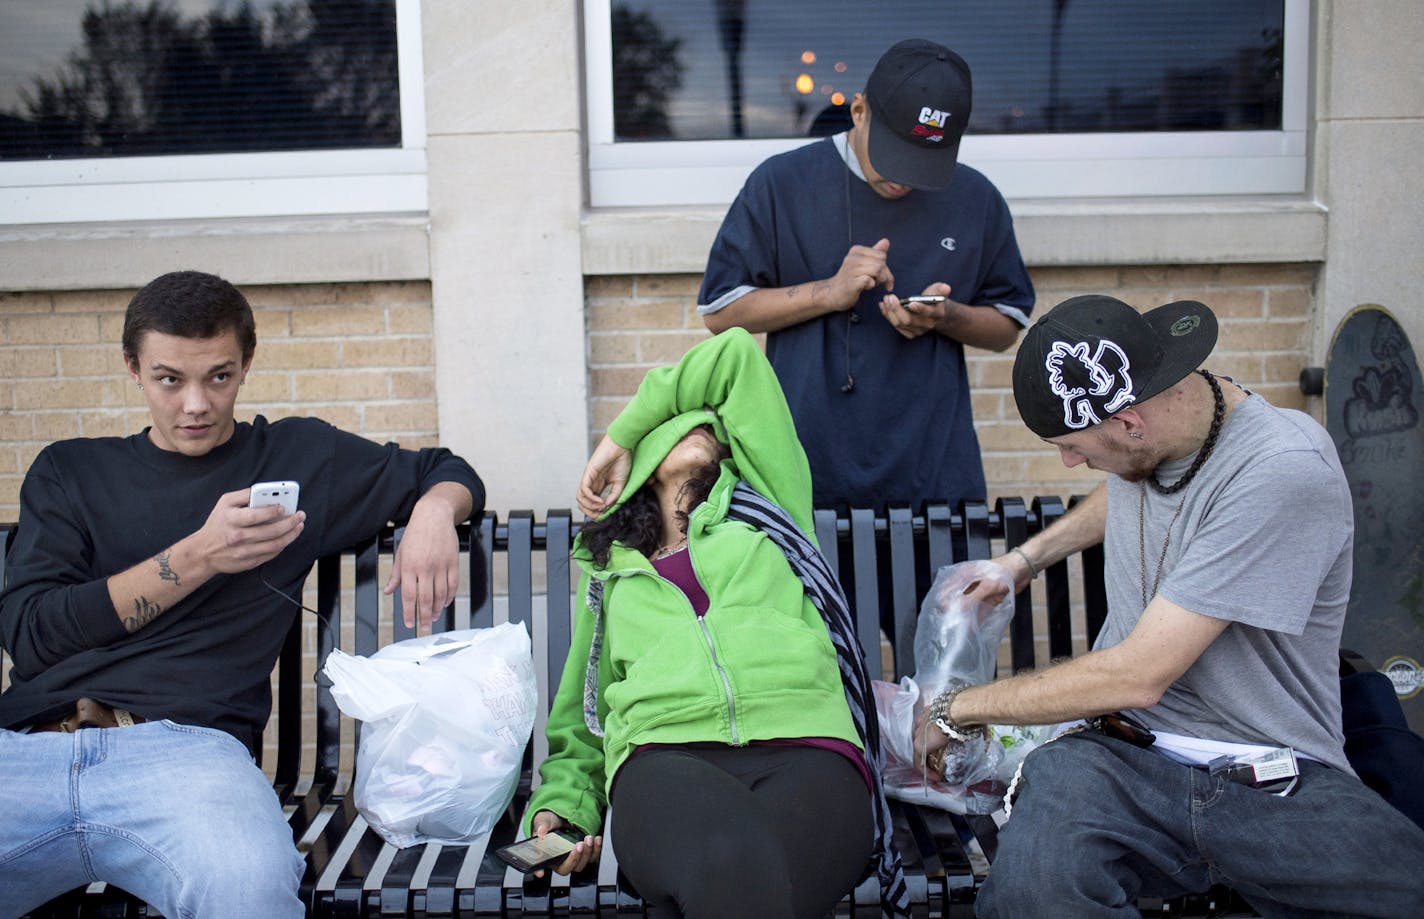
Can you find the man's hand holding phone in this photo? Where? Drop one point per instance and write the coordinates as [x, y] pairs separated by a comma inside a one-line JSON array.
[[914, 316], [241, 534]]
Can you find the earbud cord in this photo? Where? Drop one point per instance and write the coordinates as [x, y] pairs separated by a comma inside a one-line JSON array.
[[851, 317]]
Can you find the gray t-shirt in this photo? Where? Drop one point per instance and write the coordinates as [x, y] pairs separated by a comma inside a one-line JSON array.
[[1264, 539]]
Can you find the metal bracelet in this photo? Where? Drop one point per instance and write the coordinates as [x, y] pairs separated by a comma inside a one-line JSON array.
[[939, 713], [1032, 568]]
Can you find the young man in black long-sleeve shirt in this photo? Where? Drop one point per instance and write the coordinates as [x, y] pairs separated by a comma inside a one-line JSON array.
[[144, 593]]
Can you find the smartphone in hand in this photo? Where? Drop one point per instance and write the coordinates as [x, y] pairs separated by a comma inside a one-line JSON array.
[[924, 298], [537, 852], [282, 494]]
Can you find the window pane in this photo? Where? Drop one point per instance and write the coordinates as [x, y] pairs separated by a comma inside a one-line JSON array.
[[87, 78], [714, 69]]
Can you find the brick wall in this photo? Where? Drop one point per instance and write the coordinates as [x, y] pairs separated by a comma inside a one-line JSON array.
[[1266, 313], [358, 355]]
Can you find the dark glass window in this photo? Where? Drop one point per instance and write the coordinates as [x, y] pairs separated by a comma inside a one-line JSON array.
[[714, 69], [90, 78]]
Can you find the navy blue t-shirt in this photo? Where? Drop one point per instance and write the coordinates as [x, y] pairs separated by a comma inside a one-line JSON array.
[[905, 432]]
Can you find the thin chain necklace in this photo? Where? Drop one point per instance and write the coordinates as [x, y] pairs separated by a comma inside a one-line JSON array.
[[673, 549], [1218, 415]]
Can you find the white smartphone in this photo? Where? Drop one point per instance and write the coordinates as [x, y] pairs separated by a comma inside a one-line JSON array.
[[924, 298], [282, 494]]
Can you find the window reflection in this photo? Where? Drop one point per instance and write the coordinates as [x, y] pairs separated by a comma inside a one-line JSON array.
[[87, 78], [713, 69]]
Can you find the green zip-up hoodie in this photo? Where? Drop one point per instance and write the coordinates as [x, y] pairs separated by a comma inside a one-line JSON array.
[[759, 664]]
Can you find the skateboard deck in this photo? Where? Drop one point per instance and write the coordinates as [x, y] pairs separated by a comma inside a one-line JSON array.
[[1374, 404]]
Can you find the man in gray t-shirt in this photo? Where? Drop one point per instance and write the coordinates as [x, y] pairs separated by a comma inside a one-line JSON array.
[[1227, 533]]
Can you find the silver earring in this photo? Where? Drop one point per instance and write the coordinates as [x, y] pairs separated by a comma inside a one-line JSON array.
[[140, 387], [1135, 435]]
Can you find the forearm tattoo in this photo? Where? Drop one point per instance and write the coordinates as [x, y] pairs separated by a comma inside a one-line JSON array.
[[145, 611], [165, 571]]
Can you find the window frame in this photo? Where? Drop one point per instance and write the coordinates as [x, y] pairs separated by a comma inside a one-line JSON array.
[[1117, 165], [225, 185]]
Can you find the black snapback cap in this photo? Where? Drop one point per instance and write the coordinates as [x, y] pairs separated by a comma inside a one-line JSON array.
[[1090, 357], [919, 95]]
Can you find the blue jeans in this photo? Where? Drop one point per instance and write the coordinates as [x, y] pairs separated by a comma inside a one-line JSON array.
[[177, 815], [1100, 822]]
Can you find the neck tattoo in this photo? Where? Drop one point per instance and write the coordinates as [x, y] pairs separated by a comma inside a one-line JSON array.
[[1218, 415]]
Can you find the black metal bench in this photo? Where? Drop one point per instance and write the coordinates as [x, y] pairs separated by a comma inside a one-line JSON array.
[[352, 872]]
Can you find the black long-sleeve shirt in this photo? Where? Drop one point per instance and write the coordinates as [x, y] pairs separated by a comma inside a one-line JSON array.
[[91, 508]]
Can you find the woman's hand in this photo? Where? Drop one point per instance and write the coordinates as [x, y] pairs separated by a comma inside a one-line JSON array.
[[604, 476], [583, 854]]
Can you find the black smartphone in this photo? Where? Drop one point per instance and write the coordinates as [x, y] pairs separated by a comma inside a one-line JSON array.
[[537, 852]]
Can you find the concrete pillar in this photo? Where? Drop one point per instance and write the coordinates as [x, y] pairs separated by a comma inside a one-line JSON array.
[[503, 105]]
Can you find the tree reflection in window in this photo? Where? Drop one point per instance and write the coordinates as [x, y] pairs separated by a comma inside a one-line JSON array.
[[147, 80]]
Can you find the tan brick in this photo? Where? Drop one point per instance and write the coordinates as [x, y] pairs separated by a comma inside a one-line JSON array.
[[1300, 274], [91, 361], [345, 417], [16, 426], [340, 385], [272, 324], [413, 384], [1263, 336], [637, 315], [297, 354], [18, 302], [36, 330], [668, 348], [1284, 395], [51, 426], [111, 329], [1241, 367], [26, 362], [603, 411], [288, 295], [989, 405], [993, 372], [619, 286], [10, 495], [413, 319], [1283, 368], [1101, 280], [1289, 303], [614, 381], [53, 394], [91, 301], [25, 453], [103, 424], [1170, 275], [401, 416], [1006, 436], [681, 286], [340, 321], [387, 352], [388, 292], [1227, 303], [420, 442], [136, 419], [9, 465], [612, 348], [275, 386]]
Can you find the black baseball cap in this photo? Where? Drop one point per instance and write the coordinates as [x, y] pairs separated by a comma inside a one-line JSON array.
[[919, 95], [1090, 357]]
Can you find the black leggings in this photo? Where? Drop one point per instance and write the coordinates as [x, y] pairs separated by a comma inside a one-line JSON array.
[[707, 830]]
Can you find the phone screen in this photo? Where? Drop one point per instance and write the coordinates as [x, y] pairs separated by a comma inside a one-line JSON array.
[[531, 853]]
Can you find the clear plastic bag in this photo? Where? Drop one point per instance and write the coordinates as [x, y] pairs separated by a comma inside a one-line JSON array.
[[956, 638], [445, 721]]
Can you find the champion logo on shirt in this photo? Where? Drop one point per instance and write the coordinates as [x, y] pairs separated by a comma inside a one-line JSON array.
[[947, 243], [931, 126]]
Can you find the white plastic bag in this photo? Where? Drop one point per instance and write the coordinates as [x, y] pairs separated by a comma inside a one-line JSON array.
[[955, 639], [446, 719]]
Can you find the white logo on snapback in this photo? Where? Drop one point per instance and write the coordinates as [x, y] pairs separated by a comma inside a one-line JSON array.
[[1106, 369]]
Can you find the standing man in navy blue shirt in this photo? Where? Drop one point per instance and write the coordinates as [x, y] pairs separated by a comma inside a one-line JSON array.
[[821, 248]]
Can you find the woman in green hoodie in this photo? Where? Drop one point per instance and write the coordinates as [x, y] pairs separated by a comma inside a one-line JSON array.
[[702, 694]]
